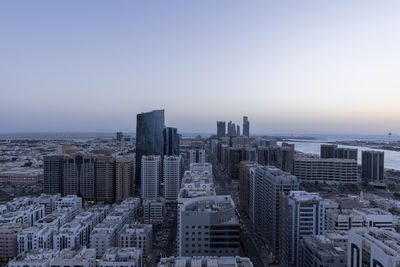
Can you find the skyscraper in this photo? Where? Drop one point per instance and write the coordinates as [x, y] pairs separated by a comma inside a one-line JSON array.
[[150, 175], [124, 178], [237, 130], [372, 166], [197, 156], [172, 177], [246, 126], [270, 183], [149, 136], [221, 129], [119, 136], [105, 169], [302, 214], [79, 176], [171, 141], [52, 175]]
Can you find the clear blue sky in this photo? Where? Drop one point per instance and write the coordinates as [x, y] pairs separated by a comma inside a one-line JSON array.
[[291, 66]]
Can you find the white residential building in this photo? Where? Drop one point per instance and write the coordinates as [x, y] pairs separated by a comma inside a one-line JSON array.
[[207, 226], [373, 247], [71, 205], [302, 214], [172, 177], [104, 235], [154, 209], [196, 182], [54, 220], [34, 258], [35, 238], [207, 261], [150, 176], [80, 256], [71, 235], [121, 257], [374, 217], [138, 236], [27, 215], [49, 202]]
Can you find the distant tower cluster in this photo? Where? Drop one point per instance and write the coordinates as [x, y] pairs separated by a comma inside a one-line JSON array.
[[233, 130]]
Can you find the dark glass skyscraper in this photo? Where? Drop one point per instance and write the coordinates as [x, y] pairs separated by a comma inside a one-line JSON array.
[[171, 141], [53, 173], [149, 136], [221, 129], [246, 126], [372, 166]]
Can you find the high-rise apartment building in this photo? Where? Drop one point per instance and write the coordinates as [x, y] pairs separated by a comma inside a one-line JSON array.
[[124, 178], [330, 151], [302, 214], [246, 126], [172, 177], [150, 175], [171, 141], [53, 173], [79, 176], [221, 129], [237, 130], [326, 169], [270, 183], [244, 181], [149, 136], [105, 170], [120, 135], [138, 236], [207, 226], [372, 166]]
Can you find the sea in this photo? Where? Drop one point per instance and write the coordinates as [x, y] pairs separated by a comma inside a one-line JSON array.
[[306, 143]]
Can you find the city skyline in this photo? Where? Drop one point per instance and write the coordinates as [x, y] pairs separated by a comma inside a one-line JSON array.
[[310, 67]]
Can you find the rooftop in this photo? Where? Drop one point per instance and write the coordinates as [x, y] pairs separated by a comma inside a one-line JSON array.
[[205, 262]]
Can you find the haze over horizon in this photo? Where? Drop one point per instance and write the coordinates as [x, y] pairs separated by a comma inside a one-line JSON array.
[[291, 67]]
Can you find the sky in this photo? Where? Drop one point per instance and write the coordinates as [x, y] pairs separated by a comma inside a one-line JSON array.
[[290, 66]]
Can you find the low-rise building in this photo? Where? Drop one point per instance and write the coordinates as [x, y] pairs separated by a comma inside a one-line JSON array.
[[138, 236], [210, 261], [35, 238], [121, 257], [373, 247], [80, 256], [319, 250], [34, 258], [8, 239], [154, 210]]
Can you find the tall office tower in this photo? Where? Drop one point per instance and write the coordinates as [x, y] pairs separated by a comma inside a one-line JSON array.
[[221, 129], [269, 156], [151, 166], [79, 176], [105, 169], [233, 129], [149, 137], [244, 181], [197, 156], [235, 156], [302, 214], [237, 130], [373, 247], [285, 158], [207, 226], [372, 166], [270, 183], [171, 141], [124, 178], [172, 177], [229, 130], [246, 126], [52, 174], [120, 135], [328, 151]]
